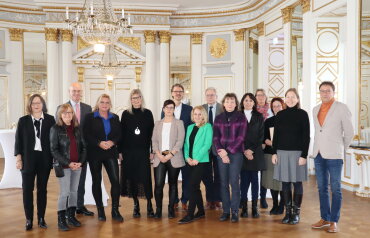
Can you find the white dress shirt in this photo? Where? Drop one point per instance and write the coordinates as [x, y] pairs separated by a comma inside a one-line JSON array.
[[166, 130], [178, 111], [73, 103], [37, 140], [248, 114]]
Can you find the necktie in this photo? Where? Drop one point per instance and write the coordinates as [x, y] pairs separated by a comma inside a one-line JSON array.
[[37, 125], [210, 115], [78, 113]]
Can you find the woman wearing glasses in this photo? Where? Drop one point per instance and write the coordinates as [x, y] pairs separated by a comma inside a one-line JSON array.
[[168, 139]]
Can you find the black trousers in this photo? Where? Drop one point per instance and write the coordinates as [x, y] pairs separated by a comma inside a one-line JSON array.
[[81, 187], [195, 195], [211, 179], [111, 166], [159, 177], [41, 172]]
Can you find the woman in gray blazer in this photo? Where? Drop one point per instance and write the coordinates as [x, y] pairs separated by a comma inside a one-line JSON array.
[[167, 141]]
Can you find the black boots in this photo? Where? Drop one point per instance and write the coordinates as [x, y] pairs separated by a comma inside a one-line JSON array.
[[29, 224], [280, 209], [115, 213], [244, 212], [62, 224], [101, 214], [287, 195], [224, 216], [71, 219], [275, 202], [297, 201], [42, 223], [149, 209], [255, 213], [234, 217], [136, 212], [158, 212], [171, 211]]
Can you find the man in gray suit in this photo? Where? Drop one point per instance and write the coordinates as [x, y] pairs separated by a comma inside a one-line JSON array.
[[211, 178], [81, 109], [333, 135]]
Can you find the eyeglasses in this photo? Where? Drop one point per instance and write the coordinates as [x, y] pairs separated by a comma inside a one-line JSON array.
[[260, 95], [178, 91], [67, 113], [36, 103], [169, 108], [210, 95], [136, 98], [326, 91]]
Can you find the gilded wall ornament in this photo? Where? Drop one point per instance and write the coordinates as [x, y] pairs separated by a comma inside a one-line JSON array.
[[81, 44], [16, 34], [81, 74], [306, 5], [196, 38], [218, 47], [261, 29], [133, 42], [51, 34], [138, 71], [164, 36], [239, 34], [150, 36], [66, 35], [287, 14]]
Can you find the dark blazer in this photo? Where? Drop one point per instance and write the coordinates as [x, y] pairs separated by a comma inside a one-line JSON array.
[[25, 142], [59, 145], [185, 115], [219, 109], [85, 109], [253, 141], [93, 132]]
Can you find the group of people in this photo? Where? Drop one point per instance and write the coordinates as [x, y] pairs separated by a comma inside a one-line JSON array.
[[225, 145]]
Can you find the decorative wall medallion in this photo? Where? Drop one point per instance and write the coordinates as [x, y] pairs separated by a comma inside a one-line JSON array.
[[218, 48]]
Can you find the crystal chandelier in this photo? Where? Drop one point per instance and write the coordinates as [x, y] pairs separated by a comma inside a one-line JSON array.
[[109, 65], [98, 24]]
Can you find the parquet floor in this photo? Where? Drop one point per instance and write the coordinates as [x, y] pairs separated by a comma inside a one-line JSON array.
[[355, 220]]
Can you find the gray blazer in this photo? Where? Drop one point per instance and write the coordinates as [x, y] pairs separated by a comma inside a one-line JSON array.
[[336, 134], [177, 136], [219, 109]]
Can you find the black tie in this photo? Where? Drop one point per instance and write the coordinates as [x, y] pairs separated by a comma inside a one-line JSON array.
[[210, 115], [37, 125]]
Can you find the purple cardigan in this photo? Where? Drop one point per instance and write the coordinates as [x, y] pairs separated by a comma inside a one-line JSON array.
[[230, 135]]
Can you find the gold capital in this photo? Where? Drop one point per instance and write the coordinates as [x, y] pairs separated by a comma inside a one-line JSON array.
[[81, 74], [138, 71], [287, 14], [294, 40], [66, 35], [306, 5], [51, 34], [239, 34], [149, 36], [196, 38], [164, 37], [251, 42], [261, 29], [16, 34]]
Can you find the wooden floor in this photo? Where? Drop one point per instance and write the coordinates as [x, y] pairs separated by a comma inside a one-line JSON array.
[[355, 220]]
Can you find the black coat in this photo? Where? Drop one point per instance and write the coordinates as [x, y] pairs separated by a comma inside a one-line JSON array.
[[253, 141], [59, 145], [25, 143], [94, 133]]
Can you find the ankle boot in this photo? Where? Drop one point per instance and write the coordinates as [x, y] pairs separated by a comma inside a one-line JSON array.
[[244, 212], [171, 211], [136, 212], [255, 213], [62, 224], [158, 213], [101, 214], [149, 209], [115, 213], [275, 200], [71, 217], [281, 204], [287, 194], [297, 201]]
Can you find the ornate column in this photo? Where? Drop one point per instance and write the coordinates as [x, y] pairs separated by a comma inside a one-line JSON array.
[[67, 38], [16, 102], [252, 79], [136, 83], [294, 63], [262, 81], [239, 62], [51, 37], [287, 20], [196, 68], [164, 66], [149, 84]]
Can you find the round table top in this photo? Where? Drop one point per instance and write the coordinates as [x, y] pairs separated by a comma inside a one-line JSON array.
[[6, 131]]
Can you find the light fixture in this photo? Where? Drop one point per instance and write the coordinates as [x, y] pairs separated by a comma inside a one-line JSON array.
[[275, 41], [99, 48], [98, 24], [109, 66]]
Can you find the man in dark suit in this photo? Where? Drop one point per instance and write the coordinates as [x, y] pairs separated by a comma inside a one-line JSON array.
[[81, 109], [211, 177], [182, 112]]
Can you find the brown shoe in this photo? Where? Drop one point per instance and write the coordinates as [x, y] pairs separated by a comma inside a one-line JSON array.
[[176, 205], [208, 205], [320, 224], [184, 207], [333, 227], [218, 206]]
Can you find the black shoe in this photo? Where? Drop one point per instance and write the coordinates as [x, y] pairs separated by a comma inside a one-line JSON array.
[[71, 217], [244, 212], [116, 215], [274, 210], [62, 224], [42, 223], [297, 201], [29, 224], [234, 217], [275, 202], [186, 219], [199, 215], [255, 213], [224, 217], [171, 212], [136, 212], [149, 209], [83, 210], [281, 204], [288, 206], [101, 214], [158, 213], [263, 203]]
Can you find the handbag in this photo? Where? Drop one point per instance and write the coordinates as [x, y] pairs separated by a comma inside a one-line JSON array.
[[59, 171]]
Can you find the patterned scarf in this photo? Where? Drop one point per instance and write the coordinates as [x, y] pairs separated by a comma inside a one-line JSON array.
[[263, 110]]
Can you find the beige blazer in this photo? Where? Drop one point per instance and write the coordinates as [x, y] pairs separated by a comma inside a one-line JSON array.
[[177, 136], [334, 137]]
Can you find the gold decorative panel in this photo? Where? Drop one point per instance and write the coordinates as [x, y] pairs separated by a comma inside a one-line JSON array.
[[327, 54], [133, 42], [276, 70], [81, 44], [218, 47]]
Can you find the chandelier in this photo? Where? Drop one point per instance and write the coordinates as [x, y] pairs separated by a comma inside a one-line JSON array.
[[98, 24], [109, 65]]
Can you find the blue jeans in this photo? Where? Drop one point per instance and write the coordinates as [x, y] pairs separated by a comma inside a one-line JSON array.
[[246, 178], [229, 175], [329, 169]]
